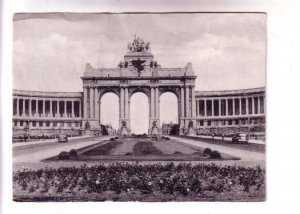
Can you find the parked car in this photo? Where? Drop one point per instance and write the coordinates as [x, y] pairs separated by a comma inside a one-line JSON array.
[[62, 139], [240, 138]]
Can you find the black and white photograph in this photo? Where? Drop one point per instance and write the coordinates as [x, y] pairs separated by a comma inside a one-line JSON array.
[[148, 107]]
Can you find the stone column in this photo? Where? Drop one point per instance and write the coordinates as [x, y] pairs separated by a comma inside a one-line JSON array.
[[258, 105], [99, 111], [253, 107], [122, 103], [96, 104], [179, 108], [193, 113], [182, 101], [150, 110], [79, 106], [126, 104], [205, 110], [187, 102], [51, 112], [72, 108], [85, 102], [37, 107], [226, 107], [240, 102], [128, 125], [233, 106], [18, 107], [44, 111], [247, 106], [156, 104], [152, 103], [65, 109], [212, 108], [30, 110], [23, 113], [220, 107], [57, 108], [92, 95], [264, 104]]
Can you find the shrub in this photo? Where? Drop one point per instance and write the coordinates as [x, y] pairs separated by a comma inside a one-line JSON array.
[[112, 139], [73, 153], [177, 153], [215, 155], [167, 138], [128, 153], [163, 137], [116, 138], [63, 156], [207, 152]]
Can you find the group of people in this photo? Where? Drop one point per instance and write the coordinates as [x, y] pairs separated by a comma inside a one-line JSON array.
[[183, 179]]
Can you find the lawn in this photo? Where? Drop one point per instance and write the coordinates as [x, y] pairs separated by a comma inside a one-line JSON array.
[[140, 149], [145, 148]]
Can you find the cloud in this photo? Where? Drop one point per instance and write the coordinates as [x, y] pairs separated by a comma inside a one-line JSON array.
[[50, 53]]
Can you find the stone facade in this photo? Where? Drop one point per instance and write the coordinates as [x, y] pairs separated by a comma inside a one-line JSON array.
[[139, 72], [41, 112], [236, 108]]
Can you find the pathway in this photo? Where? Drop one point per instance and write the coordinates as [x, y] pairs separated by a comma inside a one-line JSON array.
[[246, 156], [38, 152]]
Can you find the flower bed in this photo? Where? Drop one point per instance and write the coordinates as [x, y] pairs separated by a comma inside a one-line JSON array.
[[152, 182]]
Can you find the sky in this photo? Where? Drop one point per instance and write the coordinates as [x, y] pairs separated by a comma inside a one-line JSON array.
[[227, 50]]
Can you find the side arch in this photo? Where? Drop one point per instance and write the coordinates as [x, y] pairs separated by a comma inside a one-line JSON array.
[[103, 91], [174, 90]]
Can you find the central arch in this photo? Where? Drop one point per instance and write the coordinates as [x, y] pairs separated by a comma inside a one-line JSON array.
[[169, 114], [139, 113], [109, 111]]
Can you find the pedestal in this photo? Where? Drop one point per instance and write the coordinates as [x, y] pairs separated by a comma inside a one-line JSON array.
[[155, 131], [191, 132], [91, 127], [124, 131]]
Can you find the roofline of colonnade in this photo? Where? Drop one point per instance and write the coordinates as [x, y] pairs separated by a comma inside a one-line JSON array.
[[197, 93]]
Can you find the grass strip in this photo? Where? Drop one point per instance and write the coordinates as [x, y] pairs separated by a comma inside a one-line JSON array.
[[145, 148], [104, 149]]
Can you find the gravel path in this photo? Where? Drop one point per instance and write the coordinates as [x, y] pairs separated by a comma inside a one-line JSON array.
[[246, 156]]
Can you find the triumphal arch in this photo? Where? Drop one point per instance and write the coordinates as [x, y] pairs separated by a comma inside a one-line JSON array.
[[139, 72]]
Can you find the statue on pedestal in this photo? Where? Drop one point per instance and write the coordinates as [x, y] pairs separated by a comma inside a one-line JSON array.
[[138, 45], [124, 129], [191, 130], [87, 125], [154, 129]]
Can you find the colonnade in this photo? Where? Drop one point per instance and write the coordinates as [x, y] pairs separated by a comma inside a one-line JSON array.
[[53, 109], [210, 107]]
